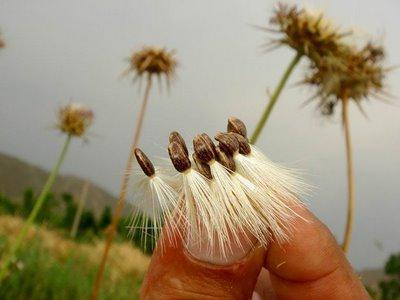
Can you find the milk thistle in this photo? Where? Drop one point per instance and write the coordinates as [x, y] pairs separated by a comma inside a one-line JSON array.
[[307, 33], [73, 120], [352, 75], [228, 195], [147, 62]]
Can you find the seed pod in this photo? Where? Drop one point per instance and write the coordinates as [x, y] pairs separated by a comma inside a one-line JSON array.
[[203, 168], [226, 160], [228, 143], [178, 156], [144, 163], [244, 146], [176, 137], [237, 126], [204, 148]]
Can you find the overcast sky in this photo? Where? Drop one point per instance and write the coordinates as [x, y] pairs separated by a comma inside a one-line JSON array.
[[62, 50]]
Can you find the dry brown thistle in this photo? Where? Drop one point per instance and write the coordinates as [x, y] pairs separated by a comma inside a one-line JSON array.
[[152, 61], [352, 75], [74, 119], [148, 62], [309, 34]]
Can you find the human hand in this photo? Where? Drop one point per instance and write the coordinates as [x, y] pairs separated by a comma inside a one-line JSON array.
[[310, 266]]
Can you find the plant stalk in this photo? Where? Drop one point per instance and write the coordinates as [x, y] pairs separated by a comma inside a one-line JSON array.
[[111, 230], [274, 97], [81, 205], [350, 176], [35, 211]]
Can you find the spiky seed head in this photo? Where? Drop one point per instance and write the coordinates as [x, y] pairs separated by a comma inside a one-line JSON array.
[[354, 74], [204, 148], [74, 119], [153, 61], [178, 157], [237, 126], [144, 162], [308, 33], [203, 168], [176, 137]]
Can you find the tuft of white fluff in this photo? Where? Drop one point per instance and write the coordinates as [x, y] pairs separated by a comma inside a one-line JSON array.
[[254, 204], [154, 203]]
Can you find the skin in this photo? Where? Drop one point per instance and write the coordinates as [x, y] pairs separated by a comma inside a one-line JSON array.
[[310, 266]]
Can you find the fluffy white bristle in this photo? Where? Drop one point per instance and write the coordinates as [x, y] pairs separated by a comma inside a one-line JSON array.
[[252, 205], [154, 202]]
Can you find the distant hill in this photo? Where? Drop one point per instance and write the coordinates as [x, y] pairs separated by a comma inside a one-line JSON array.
[[16, 175]]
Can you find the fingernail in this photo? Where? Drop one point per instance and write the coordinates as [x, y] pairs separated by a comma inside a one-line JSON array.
[[220, 253]]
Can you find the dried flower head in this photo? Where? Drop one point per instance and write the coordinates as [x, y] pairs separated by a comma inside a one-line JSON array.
[[74, 119], [308, 33], [153, 61], [353, 74]]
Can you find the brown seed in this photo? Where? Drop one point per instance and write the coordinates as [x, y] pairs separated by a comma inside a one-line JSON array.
[[178, 156], [244, 146], [203, 168], [237, 126], [226, 160], [176, 137], [204, 148], [144, 162], [227, 142]]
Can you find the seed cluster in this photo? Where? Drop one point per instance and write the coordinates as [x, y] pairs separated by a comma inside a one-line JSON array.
[[230, 189]]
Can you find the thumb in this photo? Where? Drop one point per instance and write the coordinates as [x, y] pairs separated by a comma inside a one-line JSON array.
[[183, 273]]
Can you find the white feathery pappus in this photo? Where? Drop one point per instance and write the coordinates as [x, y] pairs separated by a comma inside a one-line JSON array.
[[231, 196]]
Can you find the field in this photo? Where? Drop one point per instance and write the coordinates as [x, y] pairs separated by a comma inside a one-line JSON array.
[[51, 266]]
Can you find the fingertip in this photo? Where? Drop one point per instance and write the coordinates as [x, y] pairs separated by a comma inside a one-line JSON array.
[[311, 264], [310, 252]]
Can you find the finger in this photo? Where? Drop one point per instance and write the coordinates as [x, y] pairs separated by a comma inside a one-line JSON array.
[[312, 265], [263, 289], [176, 273]]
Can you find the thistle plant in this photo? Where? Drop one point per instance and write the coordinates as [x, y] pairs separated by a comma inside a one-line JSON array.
[[73, 120], [352, 75], [147, 62], [308, 34]]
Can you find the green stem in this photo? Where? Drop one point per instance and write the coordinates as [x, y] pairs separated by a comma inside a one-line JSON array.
[[274, 97], [35, 211]]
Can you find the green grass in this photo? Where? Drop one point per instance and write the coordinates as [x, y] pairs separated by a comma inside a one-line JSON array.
[[38, 275]]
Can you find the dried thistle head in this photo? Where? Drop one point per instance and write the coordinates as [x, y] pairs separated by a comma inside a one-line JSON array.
[[74, 119], [308, 33], [153, 61], [353, 74]]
